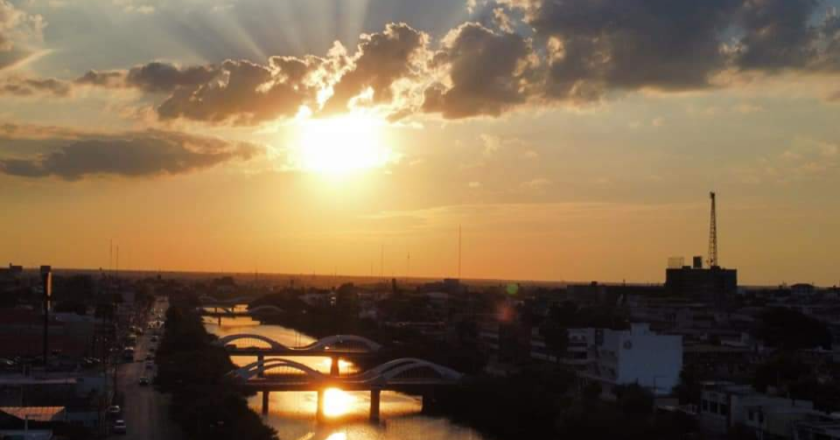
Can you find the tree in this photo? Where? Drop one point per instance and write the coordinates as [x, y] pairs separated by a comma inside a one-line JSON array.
[[634, 400], [791, 330], [556, 339]]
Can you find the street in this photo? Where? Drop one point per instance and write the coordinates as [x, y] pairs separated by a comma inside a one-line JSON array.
[[144, 410]]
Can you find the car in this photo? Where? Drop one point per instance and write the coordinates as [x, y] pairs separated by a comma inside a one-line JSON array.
[[144, 381], [119, 427], [114, 410], [149, 365], [150, 357]]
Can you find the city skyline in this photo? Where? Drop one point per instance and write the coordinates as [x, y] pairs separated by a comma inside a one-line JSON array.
[[286, 137]]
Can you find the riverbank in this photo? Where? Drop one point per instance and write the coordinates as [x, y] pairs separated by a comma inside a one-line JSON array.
[[204, 402]]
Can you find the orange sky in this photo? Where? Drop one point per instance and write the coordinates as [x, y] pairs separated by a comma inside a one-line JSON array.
[[303, 138]]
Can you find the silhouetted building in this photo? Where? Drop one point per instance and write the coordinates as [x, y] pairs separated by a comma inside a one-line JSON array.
[[715, 285]]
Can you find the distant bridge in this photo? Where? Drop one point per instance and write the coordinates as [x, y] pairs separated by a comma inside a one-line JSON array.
[[231, 312], [409, 375], [209, 301], [334, 347], [338, 345]]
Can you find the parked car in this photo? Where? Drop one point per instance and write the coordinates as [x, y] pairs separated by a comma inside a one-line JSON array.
[[144, 381], [114, 410]]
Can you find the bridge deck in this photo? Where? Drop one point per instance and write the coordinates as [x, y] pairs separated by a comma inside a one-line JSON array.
[[407, 387], [253, 351]]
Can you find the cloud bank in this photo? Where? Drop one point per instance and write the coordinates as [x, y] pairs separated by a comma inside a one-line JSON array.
[[530, 52], [142, 154]]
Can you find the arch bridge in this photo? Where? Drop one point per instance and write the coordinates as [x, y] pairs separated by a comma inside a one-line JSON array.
[[410, 375], [331, 346], [229, 311]]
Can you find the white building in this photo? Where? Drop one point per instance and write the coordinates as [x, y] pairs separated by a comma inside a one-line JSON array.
[[635, 356], [724, 406]]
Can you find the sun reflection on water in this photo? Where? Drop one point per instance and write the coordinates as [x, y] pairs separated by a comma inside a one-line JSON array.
[[337, 402]]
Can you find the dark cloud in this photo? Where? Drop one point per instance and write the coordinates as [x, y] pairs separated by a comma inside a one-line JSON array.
[[489, 73], [145, 154], [527, 51], [18, 86], [382, 59], [108, 78], [601, 45], [830, 34], [154, 77], [164, 77], [778, 34], [245, 94], [597, 46]]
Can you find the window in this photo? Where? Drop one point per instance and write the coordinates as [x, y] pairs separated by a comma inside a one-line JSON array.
[[705, 405], [714, 407], [724, 409], [751, 415]]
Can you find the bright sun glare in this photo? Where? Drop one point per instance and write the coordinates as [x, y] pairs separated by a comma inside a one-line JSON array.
[[337, 402], [341, 145]]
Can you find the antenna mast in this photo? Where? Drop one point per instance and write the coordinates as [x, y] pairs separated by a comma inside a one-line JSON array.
[[713, 245], [459, 252]]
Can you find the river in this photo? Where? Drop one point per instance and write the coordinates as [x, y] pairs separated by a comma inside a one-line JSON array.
[[293, 414]]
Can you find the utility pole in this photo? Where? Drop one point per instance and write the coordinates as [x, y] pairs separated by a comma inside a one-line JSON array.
[[713, 245], [46, 278]]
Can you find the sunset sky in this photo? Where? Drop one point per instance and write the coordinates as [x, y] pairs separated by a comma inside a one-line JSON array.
[[571, 139]]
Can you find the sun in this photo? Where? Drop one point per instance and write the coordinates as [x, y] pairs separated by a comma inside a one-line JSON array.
[[340, 145]]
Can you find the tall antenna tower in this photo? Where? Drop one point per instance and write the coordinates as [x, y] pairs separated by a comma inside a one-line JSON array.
[[459, 251], [713, 244]]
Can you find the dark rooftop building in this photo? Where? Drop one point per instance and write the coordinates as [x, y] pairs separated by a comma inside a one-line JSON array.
[[715, 285]]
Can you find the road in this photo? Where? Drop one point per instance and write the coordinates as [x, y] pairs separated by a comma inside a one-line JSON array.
[[145, 411]]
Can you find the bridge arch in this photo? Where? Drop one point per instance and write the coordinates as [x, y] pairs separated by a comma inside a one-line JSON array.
[[207, 299], [394, 371], [327, 344], [255, 369], [227, 340], [332, 341], [265, 309]]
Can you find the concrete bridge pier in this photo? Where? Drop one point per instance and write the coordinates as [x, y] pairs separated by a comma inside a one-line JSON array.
[[334, 368], [319, 410], [261, 367], [265, 402], [375, 398], [428, 402]]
